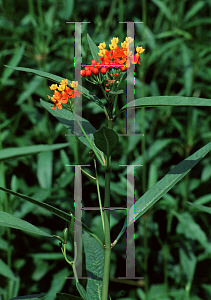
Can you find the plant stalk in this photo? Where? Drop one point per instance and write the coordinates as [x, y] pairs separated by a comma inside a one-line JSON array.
[[107, 253]]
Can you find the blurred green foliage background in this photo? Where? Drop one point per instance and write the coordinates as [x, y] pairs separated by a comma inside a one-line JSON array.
[[173, 250]]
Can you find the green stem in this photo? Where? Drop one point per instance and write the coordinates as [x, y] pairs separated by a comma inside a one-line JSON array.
[[65, 255], [74, 272], [99, 197], [72, 263], [107, 233], [104, 93], [107, 254]]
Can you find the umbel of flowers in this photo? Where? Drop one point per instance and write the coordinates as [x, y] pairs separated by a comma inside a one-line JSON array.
[[115, 58], [114, 62], [63, 93]]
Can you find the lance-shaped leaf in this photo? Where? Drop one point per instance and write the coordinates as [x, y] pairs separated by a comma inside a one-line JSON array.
[[163, 186], [29, 297], [94, 49], [17, 152], [16, 58], [9, 220], [59, 213], [106, 140], [166, 101], [58, 79], [6, 271], [201, 207]]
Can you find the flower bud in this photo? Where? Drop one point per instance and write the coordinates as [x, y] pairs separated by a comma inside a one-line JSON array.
[[93, 62], [95, 71], [103, 70], [65, 235], [88, 73], [83, 73]]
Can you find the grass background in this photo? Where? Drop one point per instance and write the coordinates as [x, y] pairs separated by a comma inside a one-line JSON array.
[[172, 239]]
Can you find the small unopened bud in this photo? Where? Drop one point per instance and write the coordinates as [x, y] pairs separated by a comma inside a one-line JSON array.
[[65, 235]]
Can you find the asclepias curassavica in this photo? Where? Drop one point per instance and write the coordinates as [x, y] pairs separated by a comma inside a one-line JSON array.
[[107, 70]]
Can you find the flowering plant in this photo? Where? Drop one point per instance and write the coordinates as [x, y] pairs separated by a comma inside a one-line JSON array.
[[108, 69]]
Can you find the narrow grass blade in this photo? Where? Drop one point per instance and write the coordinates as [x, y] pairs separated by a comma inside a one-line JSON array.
[[201, 207], [164, 185], [16, 152]]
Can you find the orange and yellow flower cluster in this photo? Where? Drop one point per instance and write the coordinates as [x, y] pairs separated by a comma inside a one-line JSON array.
[[119, 56], [63, 92], [115, 58]]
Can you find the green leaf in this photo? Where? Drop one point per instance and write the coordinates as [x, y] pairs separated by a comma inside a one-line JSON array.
[[189, 228], [31, 87], [9, 220], [94, 49], [63, 296], [65, 12], [160, 291], [59, 213], [166, 101], [58, 79], [47, 256], [194, 9], [67, 119], [188, 262], [92, 97], [164, 9], [94, 255], [201, 207], [47, 75], [13, 61], [106, 140], [17, 152], [117, 92], [188, 69], [6, 271], [207, 288], [164, 185], [29, 297], [59, 280], [45, 169], [82, 291]]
